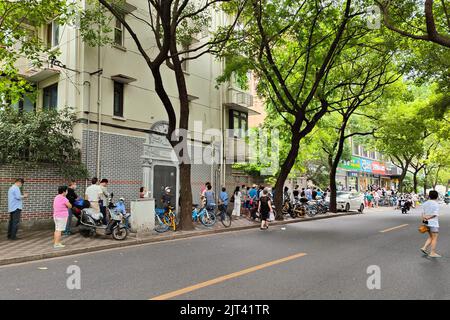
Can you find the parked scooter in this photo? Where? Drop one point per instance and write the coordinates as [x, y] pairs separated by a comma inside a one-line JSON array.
[[91, 220]]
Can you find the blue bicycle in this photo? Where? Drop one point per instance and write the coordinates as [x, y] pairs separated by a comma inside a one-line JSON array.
[[161, 221], [206, 215]]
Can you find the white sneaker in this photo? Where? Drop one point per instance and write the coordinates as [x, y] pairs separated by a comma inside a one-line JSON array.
[[58, 245], [435, 255]]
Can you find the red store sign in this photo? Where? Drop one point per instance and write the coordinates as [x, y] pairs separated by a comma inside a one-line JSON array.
[[378, 168]]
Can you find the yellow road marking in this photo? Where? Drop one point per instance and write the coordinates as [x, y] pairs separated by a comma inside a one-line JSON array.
[[394, 228], [226, 277]]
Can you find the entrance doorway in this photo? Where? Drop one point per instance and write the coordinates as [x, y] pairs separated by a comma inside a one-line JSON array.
[[164, 176]]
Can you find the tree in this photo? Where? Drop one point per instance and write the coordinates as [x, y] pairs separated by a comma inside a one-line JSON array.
[[371, 73], [405, 18], [173, 23], [19, 22], [295, 47]]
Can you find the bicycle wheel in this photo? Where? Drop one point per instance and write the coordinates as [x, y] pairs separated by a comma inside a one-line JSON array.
[[208, 218], [160, 226], [225, 219], [311, 210]]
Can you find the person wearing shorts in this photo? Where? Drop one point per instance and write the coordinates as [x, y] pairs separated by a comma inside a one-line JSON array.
[[60, 215], [430, 218]]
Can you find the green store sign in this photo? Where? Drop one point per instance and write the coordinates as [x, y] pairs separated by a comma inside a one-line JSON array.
[[353, 165]]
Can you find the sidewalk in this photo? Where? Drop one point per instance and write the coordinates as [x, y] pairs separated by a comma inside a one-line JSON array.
[[38, 245]]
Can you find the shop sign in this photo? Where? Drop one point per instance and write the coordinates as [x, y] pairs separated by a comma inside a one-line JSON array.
[[353, 165], [378, 168], [366, 165]]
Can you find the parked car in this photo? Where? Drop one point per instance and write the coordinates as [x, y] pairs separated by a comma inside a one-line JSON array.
[[348, 201]]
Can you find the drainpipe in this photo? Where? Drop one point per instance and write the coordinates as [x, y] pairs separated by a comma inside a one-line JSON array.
[[88, 84], [99, 105]]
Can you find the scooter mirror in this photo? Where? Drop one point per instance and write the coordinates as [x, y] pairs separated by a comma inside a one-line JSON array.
[[112, 194]]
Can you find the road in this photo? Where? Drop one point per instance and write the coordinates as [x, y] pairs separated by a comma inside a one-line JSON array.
[[323, 259]]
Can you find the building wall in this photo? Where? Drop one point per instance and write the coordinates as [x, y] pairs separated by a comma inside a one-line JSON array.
[[41, 183], [120, 162]]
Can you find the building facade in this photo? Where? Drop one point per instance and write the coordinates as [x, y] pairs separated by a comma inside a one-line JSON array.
[[366, 169], [111, 90]]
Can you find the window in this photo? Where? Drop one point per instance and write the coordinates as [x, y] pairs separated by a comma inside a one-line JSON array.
[[118, 99], [52, 34], [24, 104], [372, 154], [118, 33], [239, 123], [364, 152], [356, 149], [185, 63], [50, 100]]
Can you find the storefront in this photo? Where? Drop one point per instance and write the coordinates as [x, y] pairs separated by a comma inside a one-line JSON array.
[[363, 174]]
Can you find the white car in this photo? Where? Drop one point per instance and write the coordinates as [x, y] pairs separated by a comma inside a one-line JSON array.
[[349, 201]]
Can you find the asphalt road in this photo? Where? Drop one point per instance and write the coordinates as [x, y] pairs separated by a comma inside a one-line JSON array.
[[323, 259]]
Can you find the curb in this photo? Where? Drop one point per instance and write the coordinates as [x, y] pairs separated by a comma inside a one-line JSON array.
[[190, 234]]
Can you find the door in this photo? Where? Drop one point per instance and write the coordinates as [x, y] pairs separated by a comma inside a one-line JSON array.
[[164, 176]]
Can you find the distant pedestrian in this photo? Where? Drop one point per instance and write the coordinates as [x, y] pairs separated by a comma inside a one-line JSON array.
[[60, 214], [264, 209], [237, 202], [430, 218], [15, 207]]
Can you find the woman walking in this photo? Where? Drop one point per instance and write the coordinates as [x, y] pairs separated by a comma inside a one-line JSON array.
[[237, 202], [430, 218], [264, 209]]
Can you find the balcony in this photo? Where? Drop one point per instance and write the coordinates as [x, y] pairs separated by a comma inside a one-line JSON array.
[[239, 100], [38, 73]]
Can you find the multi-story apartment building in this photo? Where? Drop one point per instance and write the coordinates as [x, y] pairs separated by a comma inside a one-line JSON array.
[[112, 93], [366, 168]]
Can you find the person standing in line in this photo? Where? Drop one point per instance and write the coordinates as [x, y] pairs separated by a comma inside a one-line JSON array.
[[264, 209], [430, 218], [223, 199], [308, 193], [237, 202], [303, 193], [104, 195], [210, 197], [243, 199], [60, 214], [72, 197], [92, 194], [15, 207]]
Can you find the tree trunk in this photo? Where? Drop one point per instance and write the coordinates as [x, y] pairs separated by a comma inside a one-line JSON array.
[[284, 172], [415, 181], [185, 197], [185, 164], [334, 165], [402, 177]]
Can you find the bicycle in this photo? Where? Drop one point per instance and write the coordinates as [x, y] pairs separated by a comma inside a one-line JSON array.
[[225, 218], [160, 226], [205, 215]]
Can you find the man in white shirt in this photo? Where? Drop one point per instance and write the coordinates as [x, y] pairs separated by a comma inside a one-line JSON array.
[[93, 193], [430, 218]]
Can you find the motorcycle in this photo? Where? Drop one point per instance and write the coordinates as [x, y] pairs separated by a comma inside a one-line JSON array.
[[91, 220], [405, 205]]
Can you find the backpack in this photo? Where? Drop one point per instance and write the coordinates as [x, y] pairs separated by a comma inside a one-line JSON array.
[[232, 198]]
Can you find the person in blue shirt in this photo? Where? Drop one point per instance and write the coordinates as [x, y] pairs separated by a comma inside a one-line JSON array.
[[223, 199], [15, 206]]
